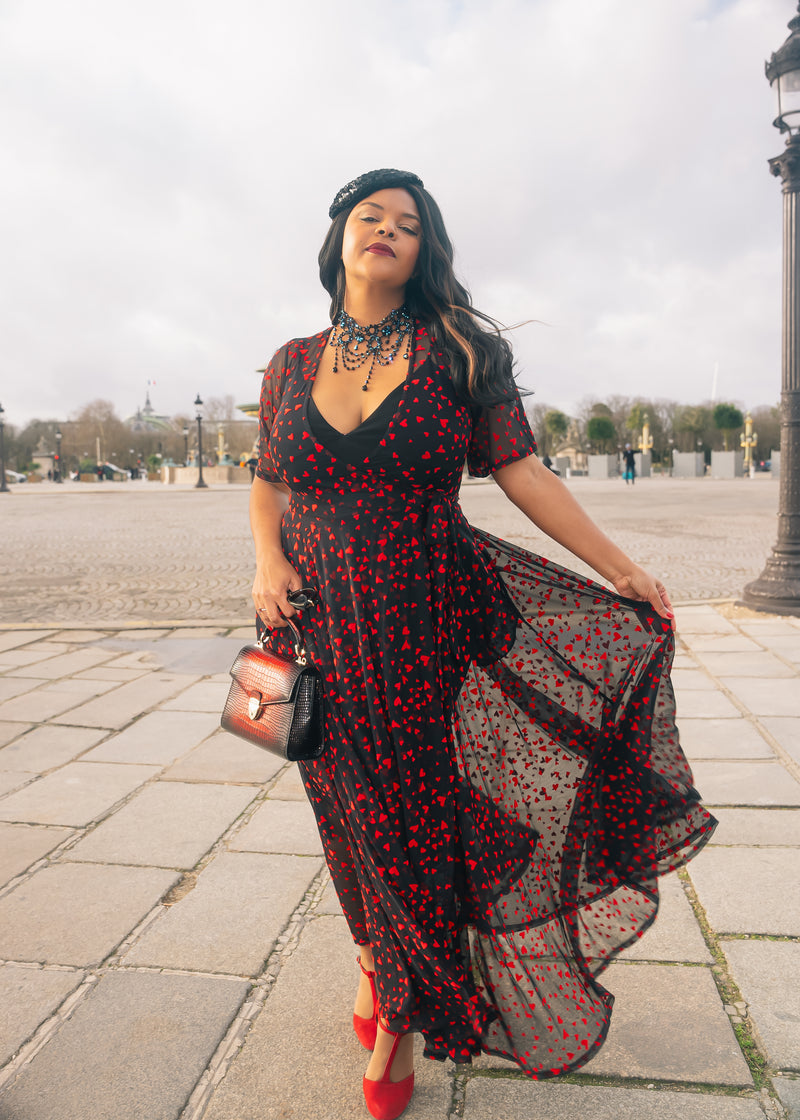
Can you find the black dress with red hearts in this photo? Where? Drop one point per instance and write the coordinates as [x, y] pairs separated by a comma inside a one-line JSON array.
[[502, 781]]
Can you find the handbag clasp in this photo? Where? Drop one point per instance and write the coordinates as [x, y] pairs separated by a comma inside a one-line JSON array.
[[254, 706]]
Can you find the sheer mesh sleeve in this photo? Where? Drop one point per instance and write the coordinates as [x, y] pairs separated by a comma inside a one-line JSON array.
[[501, 434], [271, 393]]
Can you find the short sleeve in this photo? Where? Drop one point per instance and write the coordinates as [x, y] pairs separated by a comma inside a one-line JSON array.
[[271, 394], [501, 434]]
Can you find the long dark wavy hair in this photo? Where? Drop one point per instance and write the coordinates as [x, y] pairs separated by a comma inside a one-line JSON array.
[[480, 358]]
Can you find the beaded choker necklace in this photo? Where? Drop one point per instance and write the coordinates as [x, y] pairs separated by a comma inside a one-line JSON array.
[[378, 345]]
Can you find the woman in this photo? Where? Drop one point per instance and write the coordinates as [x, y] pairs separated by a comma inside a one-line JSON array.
[[501, 781], [629, 462]]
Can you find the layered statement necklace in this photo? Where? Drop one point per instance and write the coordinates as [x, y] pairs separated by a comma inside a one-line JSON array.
[[376, 343]]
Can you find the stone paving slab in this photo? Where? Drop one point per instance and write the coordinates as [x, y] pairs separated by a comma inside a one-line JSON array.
[[112, 673], [76, 913], [766, 898], [788, 1090], [66, 664], [28, 996], [54, 644], [22, 844], [787, 648], [76, 795], [140, 657], [767, 697], [199, 651], [786, 730], [694, 1040], [207, 696], [157, 738], [142, 634], [289, 787], [757, 827], [722, 738], [675, 935], [302, 1058], [491, 1099], [14, 659], [282, 827], [132, 1050], [692, 680], [700, 704], [80, 637], [224, 758], [702, 620], [16, 686], [759, 663], [13, 779], [329, 903], [47, 747], [11, 731], [204, 632], [768, 976], [10, 639], [122, 705], [38, 703], [83, 689], [230, 920], [168, 824], [745, 783], [769, 627], [727, 643]]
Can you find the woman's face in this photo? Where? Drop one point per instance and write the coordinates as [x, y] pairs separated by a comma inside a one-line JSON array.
[[381, 239]]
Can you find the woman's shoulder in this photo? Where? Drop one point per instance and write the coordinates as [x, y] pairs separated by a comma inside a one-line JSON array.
[[297, 350]]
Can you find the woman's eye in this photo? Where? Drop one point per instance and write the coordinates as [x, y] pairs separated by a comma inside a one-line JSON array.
[[407, 229], [368, 218]]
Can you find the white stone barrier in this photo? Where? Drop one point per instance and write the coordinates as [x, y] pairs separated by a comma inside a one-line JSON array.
[[727, 464]]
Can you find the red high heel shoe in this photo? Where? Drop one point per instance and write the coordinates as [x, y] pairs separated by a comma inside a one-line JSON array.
[[367, 1029], [387, 1099]]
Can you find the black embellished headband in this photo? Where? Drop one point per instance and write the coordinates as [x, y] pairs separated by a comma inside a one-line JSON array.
[[367, 184]]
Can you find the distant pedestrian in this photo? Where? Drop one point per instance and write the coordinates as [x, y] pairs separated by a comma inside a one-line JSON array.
[[547, 462], [629, 460]]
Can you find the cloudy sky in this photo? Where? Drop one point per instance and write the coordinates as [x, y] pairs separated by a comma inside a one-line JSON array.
[[601, 165]]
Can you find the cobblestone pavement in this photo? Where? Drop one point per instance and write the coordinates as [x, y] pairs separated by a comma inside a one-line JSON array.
[[139, 551], [171, 949]]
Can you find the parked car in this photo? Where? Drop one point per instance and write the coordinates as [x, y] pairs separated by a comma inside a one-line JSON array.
[[15, 476]]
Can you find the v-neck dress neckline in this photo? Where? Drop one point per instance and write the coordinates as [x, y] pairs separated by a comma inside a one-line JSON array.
[[355, 447]]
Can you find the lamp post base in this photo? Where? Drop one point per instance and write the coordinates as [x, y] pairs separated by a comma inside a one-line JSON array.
[[777, 589]]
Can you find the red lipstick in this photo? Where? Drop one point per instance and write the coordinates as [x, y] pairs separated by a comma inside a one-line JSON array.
[[381, 248]]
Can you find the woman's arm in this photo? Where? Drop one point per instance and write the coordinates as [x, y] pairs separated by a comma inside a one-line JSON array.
[[274, 574], [548, 503]]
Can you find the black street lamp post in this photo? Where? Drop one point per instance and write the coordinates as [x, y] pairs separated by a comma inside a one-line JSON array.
[[186, 444], [777, 589], [198, 409], [3, 484], [58, 472]]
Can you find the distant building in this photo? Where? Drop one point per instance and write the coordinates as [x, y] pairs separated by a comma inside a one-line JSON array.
[[148, 420]]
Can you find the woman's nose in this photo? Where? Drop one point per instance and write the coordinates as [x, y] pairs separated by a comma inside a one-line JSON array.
[[386, 231]]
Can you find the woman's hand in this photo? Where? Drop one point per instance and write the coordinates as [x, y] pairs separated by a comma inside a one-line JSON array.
[[639, 584], [549, 504], [270, 588]]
